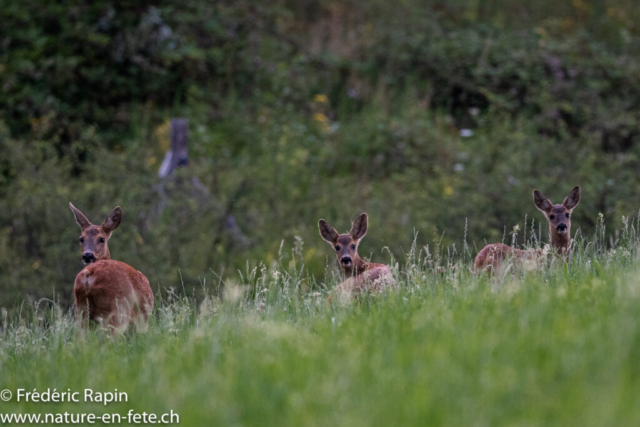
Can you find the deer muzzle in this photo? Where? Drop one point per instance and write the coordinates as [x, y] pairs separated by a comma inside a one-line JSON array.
[[88, 258]]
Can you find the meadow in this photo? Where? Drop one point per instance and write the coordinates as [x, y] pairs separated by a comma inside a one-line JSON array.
[[436, 118], [553, 346]]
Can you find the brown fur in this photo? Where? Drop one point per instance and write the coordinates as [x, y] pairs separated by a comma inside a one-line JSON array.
[[113, 293], [108, 291], [360, 276], [558, 216]]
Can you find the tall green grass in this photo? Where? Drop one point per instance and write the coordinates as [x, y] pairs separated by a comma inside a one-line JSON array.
[[556, 346]]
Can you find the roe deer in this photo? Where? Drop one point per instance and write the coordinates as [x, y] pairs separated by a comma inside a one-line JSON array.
[[360, 276], [559, 219], [108, 291]]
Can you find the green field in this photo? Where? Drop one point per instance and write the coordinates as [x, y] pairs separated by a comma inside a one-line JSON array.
[[437, 118], [557, 346]]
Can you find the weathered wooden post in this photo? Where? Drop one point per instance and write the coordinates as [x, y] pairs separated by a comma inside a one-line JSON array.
[[178, 154]]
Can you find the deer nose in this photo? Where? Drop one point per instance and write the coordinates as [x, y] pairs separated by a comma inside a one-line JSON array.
[[88, 257], [562, 227], [346, 260]]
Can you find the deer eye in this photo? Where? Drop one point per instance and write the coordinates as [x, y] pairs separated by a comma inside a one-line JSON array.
[[552, 217], [353, 246], [566, 215], [101, 240], [82, 240], [337, 248]]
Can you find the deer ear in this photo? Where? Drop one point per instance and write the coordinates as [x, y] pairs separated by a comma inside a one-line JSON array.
[[113, 220], [359, 228], [572, 200], [82, 220], [328, 233], [541, 201]]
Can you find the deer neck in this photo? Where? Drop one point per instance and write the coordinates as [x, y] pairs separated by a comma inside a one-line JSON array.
[[107, 255], [561, 243], [357, 267]]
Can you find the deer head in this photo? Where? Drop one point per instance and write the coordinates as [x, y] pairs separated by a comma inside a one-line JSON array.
[[346, 245], [94, 238], [558, 216]]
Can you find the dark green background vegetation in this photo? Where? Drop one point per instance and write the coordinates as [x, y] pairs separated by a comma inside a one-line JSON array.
[[302, 110]]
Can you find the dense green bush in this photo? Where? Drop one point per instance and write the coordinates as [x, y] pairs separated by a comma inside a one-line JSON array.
[[300, 111]]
